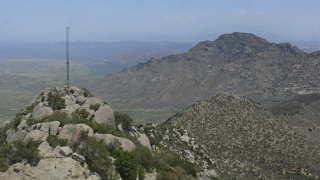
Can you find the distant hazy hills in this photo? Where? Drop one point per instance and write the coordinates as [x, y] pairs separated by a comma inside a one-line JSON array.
[[121, 52], [238, 63]]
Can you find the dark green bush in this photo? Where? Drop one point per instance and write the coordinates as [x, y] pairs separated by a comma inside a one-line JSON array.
[[127, 164], [56, 116], [94, 107], [86, 93], [55, 141], [16, 121], [186, 165], [55, 101], [97, 156], [105, 129], [32, 121], [30, 108], [4, 166], [3, 131], [124, 119], [146, 158], [62, 117], [18, 151]]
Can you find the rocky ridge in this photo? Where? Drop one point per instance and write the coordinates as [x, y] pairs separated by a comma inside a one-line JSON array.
[[69, 134], [237, 138], [238, 63]]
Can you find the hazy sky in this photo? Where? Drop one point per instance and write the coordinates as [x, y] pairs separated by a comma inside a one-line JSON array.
[[46, 20]]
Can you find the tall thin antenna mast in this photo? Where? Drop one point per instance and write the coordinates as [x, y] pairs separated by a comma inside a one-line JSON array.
[[67, 50]]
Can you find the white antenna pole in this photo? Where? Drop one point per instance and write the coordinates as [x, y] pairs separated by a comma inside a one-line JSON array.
[[67, 51]]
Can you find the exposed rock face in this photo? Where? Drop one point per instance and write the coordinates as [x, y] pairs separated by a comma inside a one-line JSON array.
[[126, 144], [238, 63], [144, 140], [242, 140], [104, 115], [49, 168], [41, 111], [72, 132], [74, 101]]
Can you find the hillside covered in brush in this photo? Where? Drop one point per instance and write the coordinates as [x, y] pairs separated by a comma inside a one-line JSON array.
[[239, 139], [239, 63]]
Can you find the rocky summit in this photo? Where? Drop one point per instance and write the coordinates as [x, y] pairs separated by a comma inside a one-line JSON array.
[[239, 63], [237, 138], [66, 133]]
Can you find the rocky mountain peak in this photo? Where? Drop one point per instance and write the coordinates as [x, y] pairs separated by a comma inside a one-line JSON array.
[[67, 133], [239, 63]]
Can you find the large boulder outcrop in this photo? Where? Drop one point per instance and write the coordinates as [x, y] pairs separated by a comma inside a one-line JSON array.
[[50, 168], [104, 115], [126, 144], [73, 132], [41, 111]]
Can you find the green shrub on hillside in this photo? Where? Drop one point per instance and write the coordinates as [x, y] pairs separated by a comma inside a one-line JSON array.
[[94, 107], [124, 119], [18, 151], [97, 157], [105, 129], [56, 116], [86, 93], [127, 164], [56, 141], [55, 101], [102, 128]]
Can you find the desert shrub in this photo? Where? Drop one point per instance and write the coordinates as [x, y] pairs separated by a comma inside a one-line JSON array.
[[62, 117], [146, 158], [32, 121], [166, 175], [30, 108], [4, 166], [18, 151], [186, 165], [105, 129], [56, 141], [127, 164], [86, 93], [94, 107], [112, 146], [153, 141], [102, 128], [56, 116], [55, 101], [141, 172], [124, 119], [97, 156], [16, 121], [3, 131]]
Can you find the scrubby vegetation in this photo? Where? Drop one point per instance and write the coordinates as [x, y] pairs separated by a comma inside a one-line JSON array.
[[55, 101], [87, 93], [18, 151], [125, 120]]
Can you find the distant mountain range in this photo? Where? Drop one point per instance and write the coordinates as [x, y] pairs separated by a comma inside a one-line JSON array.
[[239, 63], [120, 52]]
